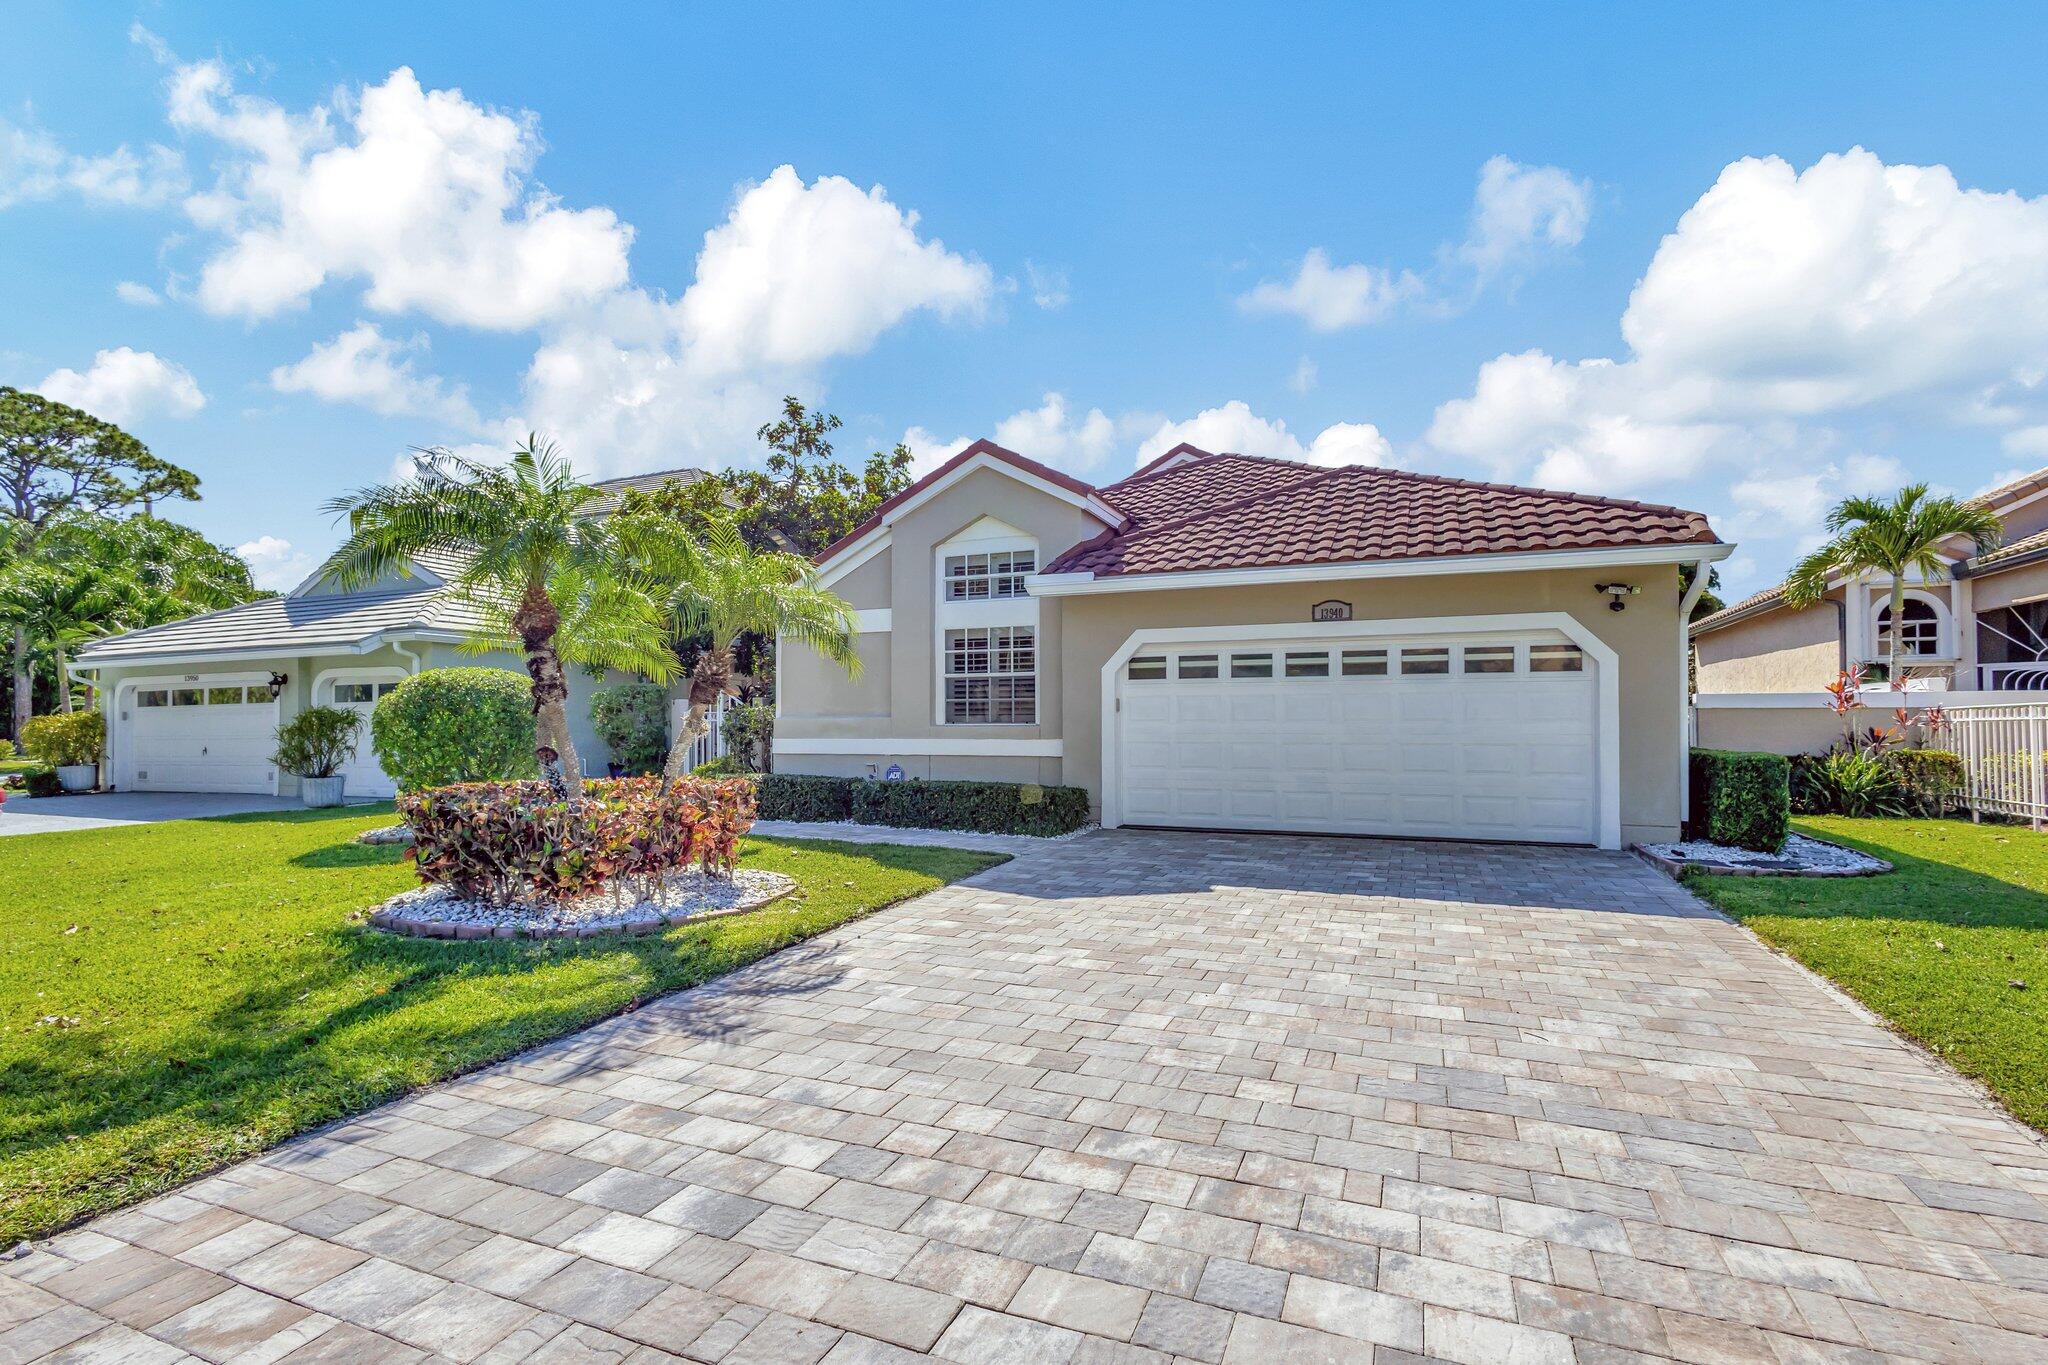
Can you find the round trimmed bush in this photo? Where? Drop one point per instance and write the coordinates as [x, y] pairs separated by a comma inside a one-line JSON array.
[[632, 720], [451, 725]]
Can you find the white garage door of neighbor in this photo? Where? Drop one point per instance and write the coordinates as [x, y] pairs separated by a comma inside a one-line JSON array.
[[1465, 738], [207, 735], [364, 774]]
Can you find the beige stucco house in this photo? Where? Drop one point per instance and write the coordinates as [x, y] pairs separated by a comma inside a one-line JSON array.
[[1979, 628], [1221, 641]]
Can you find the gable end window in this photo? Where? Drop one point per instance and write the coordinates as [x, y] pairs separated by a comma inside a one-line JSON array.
[[992, 676], [995, 576]]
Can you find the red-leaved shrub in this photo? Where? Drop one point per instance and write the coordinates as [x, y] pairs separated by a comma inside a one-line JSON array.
[[512, 841]]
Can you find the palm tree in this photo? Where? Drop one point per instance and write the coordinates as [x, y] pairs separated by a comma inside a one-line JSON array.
[[541, 568], [62, 610], [723, 589], [1890, 536]]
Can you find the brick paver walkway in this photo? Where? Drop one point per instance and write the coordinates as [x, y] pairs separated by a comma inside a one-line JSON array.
[[1135, 1096]]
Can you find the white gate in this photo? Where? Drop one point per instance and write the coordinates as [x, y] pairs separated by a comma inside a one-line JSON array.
[[2005, 758], [710, 744]]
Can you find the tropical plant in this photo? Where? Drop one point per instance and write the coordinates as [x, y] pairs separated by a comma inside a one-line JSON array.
[[632, 720], [317, 741], [725, 765], [537, 566], [1850, 782], [1890, 537], [447, 725], [66, 741], [721, 589], [750, 735], [58, 611]]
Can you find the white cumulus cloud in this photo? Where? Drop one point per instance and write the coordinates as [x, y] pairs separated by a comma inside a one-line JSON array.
[[124, 384], [140, 295], [799, 273], [34, 165], [367, 368], [1236, 429], [423, 196], [1330, 297], [1520, 211], [274, 564], [1785, 297]]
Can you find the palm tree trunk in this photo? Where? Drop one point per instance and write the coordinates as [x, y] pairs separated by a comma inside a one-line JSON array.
[[1898, 635], [63, 679], [22, 701], [535, 622], [708, 681]]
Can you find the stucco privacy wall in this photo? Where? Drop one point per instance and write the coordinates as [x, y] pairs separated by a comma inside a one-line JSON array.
[[1802, 726], [893, 708], [302, 670], [1779, 651], [1645, 636]]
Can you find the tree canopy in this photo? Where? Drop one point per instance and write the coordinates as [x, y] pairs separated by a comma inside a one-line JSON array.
[[56, 460]]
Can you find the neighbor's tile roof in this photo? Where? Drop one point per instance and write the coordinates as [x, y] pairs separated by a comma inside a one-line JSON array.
[[290, 625], [614, 490], [1294, 514]]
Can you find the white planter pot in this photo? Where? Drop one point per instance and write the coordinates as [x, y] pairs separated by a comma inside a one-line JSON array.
[[78, 777], [321, 791]]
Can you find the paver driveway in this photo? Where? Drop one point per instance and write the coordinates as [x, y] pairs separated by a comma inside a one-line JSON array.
[[1252, 1099]]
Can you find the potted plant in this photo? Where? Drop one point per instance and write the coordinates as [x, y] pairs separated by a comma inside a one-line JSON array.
[[71, 743], [313, 745]]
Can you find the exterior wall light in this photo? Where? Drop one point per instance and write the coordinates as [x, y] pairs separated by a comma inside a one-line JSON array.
[[278, 680], [1615, 593]]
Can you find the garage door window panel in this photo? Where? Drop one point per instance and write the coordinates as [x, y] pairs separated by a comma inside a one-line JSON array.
[[1251, 665], [1556, 659], [1308, 663], [1196, 668], [1364, 663], [1489, 658], [1425, 662], [153, 696]]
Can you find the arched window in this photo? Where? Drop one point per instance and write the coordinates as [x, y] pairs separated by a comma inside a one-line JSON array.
[[1921, 635]]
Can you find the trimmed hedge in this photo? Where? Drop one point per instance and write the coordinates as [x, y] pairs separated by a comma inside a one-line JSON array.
[[449, 725], [68, 738], [1742, 800], [983, 807]]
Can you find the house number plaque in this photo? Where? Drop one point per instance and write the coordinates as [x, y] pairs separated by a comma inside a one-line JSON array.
[[1330, 611]]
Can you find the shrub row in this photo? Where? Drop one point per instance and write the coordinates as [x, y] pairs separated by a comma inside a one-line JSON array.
[[1742, 800], [65, 739], [984, 807], [512, 842]]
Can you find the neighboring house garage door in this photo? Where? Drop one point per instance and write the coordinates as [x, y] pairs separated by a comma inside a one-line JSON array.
[[208, 735], [1465, 738]]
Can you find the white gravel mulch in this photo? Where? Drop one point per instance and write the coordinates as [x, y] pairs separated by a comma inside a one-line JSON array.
[[385, 834], [438, 912], [1801, 856]]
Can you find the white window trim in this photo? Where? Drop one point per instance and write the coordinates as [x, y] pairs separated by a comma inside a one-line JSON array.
[[119, 762], [895, 747], [1880, 638], [1607, 683], [985, 535], [321, 680]]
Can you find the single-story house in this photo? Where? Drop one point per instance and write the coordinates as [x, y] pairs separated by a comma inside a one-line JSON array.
[[194, 706], [1977, 632], [1227, 642]]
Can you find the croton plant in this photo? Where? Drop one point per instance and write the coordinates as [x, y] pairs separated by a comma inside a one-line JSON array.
[[514, 842]]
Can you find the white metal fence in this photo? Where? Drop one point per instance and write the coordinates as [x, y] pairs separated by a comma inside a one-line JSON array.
[[2005, 758], [708, 745]]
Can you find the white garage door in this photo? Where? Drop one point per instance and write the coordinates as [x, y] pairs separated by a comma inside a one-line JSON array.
[[206, 735], [1465, 738]]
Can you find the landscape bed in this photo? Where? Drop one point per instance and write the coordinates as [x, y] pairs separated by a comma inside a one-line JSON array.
[[177, 996]]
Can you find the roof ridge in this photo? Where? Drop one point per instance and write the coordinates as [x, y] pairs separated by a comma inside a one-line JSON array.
[[1147, 475], [1313, 475], [1594, 499]]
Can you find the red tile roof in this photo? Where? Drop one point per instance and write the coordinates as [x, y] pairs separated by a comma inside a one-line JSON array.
[[1294, 514]]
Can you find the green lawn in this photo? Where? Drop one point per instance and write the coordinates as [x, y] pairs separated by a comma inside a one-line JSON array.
[[177, 996], [1952, 947]]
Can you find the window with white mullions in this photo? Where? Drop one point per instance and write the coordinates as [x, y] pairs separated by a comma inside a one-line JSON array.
[[1920, 633], [992, 676], [996, 575]]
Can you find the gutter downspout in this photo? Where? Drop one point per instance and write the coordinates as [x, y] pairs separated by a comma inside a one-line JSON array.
[[412, 659], [1687, 601], [1841, 607]]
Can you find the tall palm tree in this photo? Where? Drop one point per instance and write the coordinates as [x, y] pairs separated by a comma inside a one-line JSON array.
[[541, 568], [723, 589], [1891, 536]]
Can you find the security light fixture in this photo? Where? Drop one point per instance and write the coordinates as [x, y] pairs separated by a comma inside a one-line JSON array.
[[1615, 592], [277, 682]]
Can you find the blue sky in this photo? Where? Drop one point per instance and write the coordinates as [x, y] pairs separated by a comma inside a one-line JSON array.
[[1746, 260]]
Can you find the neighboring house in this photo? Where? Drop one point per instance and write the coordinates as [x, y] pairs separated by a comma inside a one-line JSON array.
[[193, 706], [1228, 642], [1981, 628]]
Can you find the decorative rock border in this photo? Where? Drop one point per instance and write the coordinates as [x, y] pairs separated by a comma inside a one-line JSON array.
[[437, 912], [385, 834], [1675, 867]]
